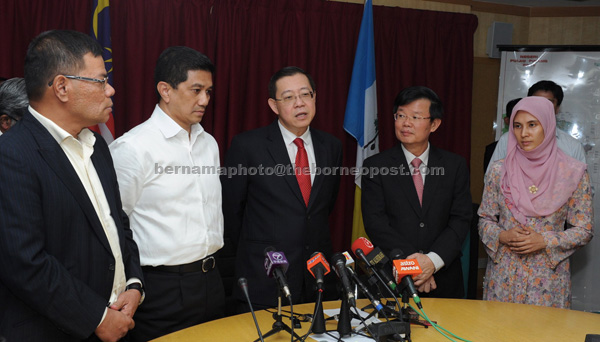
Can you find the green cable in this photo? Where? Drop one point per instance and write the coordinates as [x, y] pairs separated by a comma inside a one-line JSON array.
[[437, 327]]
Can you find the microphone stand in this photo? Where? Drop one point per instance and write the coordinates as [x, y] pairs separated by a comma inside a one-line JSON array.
[[278, 325]]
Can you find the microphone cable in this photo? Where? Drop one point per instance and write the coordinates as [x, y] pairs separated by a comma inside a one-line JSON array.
[[437, 327]]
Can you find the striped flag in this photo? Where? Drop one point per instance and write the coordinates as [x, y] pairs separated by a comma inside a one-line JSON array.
[[360, 119], [101, 33]]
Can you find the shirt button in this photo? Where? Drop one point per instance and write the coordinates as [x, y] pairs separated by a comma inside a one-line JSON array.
[[111, 267], [421, 224]]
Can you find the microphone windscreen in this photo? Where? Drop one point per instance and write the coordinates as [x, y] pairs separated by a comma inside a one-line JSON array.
[[362, 243], [406, 267], [349, 260], [317, 260], [396, 253]]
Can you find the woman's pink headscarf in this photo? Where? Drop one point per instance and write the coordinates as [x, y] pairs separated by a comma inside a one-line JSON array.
[[554, 174]]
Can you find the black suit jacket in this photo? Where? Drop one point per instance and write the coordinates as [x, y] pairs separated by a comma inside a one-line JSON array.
[[268, 209], [56, 265], [394, 218]]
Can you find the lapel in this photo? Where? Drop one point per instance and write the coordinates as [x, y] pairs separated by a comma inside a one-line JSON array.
[[432, 180], [56, 159], [321, 161], [279, 153], [405, 181]]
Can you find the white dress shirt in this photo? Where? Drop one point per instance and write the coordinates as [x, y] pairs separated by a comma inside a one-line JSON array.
[[288, 139], [170, 188], [79, 151], [435, 258]]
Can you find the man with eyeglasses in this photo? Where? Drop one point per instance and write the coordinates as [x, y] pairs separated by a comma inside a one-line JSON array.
[[13, 102], [416, 197], [286, 203], [174, 206], [69, 268]]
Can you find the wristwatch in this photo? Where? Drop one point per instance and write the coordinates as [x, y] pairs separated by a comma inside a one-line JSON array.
[[137, 286]]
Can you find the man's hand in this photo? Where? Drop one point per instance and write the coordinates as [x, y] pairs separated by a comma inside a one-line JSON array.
[[127, 302], [115, 326], [428, 285], [426, 265]]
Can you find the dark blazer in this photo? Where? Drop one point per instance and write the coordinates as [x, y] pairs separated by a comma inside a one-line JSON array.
[[394, 218], [267, 209], [56, 266]]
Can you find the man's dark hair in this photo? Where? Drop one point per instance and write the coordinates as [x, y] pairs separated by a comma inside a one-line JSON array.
[[548, 86], [13, 98], [411, 94], [56, 52], [174, 63], [285, 72], [510, 105]]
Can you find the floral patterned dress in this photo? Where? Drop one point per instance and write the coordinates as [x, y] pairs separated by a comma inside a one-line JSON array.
[[542, 277]]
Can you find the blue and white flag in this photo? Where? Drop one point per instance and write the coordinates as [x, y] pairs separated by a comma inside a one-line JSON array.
[[360, 119]]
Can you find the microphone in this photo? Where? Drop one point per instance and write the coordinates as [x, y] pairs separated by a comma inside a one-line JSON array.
[[243, 283], [276, 265], [318, 266], [374, 258], [403, 271], [349, 260], [376, 303], [339, 262]]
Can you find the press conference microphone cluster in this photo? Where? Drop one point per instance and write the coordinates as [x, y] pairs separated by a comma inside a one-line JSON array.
[[276, 265], [374, 259]]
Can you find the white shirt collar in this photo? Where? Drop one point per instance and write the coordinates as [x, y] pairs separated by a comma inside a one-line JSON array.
[[59, 134], [170, 128], [409, 156], [289, 137]]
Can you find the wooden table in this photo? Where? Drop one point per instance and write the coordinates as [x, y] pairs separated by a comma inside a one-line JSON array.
[[473, 320]]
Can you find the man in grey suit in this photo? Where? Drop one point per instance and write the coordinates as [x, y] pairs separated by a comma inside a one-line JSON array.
[[417, 197], [69, 268]]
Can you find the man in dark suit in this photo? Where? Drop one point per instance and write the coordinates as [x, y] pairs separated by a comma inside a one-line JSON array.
[[263, 203], [69, 268], [416, 197]]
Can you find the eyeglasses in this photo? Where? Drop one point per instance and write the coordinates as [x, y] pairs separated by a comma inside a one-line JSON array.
[[289, 99], [81, 78], [414, 118]]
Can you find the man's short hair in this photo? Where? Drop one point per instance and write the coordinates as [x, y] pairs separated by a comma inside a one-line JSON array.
[[174, 63], [411, 94], [510, 105], [13, 98], [550, 86], [56, 52], [285, 72]]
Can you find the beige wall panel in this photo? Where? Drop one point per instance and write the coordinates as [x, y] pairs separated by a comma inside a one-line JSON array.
[[565, 31]]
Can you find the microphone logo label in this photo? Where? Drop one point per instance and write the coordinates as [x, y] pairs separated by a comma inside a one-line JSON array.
[[277, 257]]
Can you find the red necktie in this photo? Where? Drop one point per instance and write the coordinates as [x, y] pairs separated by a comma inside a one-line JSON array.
[[417, 178], [302, 170]]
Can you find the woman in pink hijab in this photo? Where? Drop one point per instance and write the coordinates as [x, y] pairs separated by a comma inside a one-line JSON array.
[[527, 199]]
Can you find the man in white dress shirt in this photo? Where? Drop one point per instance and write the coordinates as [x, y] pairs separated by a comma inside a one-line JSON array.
[[174, 207]]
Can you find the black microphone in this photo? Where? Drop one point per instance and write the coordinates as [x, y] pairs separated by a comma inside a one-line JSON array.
[[404, 278], [276, 265], [376, 303], [243, 283], [339, 262]]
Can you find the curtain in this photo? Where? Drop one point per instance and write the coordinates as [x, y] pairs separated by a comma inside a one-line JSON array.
[[248, 40]]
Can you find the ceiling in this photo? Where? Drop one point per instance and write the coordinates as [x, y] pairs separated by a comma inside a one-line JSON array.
[[547, 3]]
